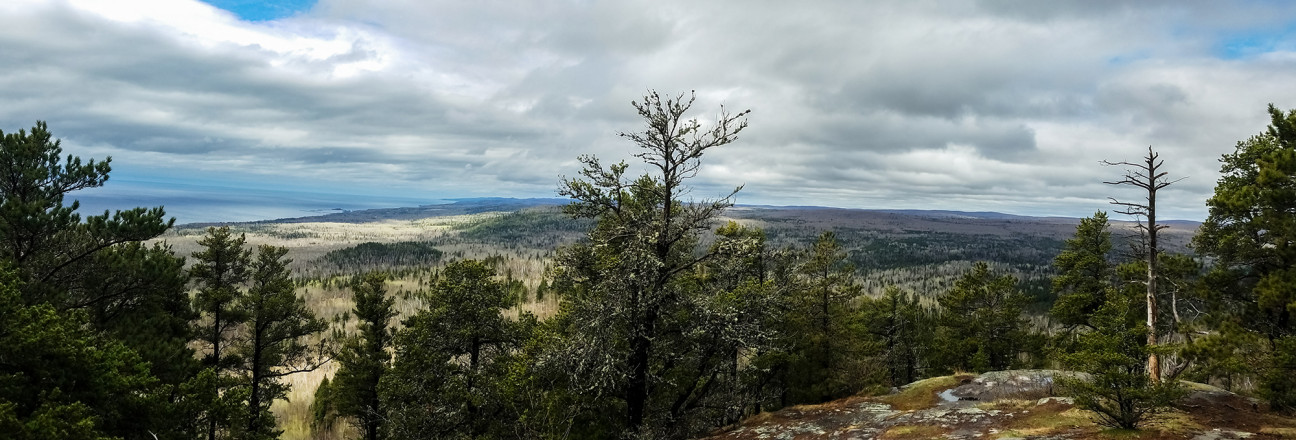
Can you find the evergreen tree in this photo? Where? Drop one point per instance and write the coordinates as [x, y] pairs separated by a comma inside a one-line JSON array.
[[1085, 274], [451, 359], [61, 379], [1114, 355], [97, 267], [154, 321], [47, 243], [363, 358], [274, 343], [219, 271], [903, 328], [1250, 233], [830, 345], [981, 323], [1085, 278], [623, 291]]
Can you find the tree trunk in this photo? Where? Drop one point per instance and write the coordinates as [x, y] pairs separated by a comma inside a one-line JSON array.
[[637, 392], [1154, 362], [254, 394], [216, 337], [1147, 176]]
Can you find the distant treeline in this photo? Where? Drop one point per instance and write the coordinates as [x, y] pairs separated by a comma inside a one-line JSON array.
[[371, 255]]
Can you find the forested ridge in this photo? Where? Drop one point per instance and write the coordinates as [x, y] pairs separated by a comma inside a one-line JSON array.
[[673, 316]]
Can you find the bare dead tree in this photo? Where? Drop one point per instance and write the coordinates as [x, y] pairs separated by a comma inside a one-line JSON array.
[[1147, 176]]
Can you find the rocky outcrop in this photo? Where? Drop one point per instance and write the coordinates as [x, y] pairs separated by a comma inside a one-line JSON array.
[[1018, 404]]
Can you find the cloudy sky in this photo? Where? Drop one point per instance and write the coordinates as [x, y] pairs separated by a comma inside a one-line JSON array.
[[235, 108]]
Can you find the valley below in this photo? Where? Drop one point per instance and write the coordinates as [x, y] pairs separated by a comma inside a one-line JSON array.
[[923, 252]]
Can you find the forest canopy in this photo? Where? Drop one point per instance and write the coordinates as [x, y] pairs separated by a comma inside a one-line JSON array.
[[669, 320]]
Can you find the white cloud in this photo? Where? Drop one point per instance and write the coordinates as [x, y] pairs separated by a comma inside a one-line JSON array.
[[967, 105]]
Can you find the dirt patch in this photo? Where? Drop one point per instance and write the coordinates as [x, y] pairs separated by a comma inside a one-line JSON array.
[[1221, 409]]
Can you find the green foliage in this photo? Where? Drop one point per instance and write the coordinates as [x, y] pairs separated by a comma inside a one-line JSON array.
[[154, 319], [96, 270], [452, 358], [537, 227], [1250, 232], [630, 299], [363, 358], [323, 406], [828, 349], [215, 400], [219, 270], [981, 323], [60, 379], [48, 244], [918, 248], [745, 292], [1114, 354], [1228, 356], [904, 332], [538, 392], [371, 255], [273, 345], [1085, 275], [1279, 380]]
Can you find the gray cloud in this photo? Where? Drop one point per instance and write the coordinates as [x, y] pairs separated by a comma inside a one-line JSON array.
[[973, 105]]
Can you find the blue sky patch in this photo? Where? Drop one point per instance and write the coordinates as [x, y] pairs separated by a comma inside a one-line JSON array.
[[1246, 44], [257, 10]]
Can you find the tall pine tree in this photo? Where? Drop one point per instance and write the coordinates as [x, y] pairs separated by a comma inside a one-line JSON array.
[[364, 358], [1251, 234], [451, 359], [275, 342]]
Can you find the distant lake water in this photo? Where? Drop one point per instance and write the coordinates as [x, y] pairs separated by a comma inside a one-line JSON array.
[[209, 205]]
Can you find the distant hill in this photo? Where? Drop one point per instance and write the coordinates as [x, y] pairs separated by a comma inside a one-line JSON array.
[[979, 221], [922, 251]]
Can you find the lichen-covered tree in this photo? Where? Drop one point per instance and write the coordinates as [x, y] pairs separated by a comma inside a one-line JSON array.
[[623, 296], [735, 322], [755, 285], [1251, 234]]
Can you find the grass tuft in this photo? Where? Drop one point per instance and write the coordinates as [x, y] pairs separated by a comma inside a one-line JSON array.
[[922, 394]]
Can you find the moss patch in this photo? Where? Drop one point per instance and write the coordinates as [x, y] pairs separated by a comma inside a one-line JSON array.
[[1280, 432], [1177, 422], [922, 394], [913, 432], [1051, 418]]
